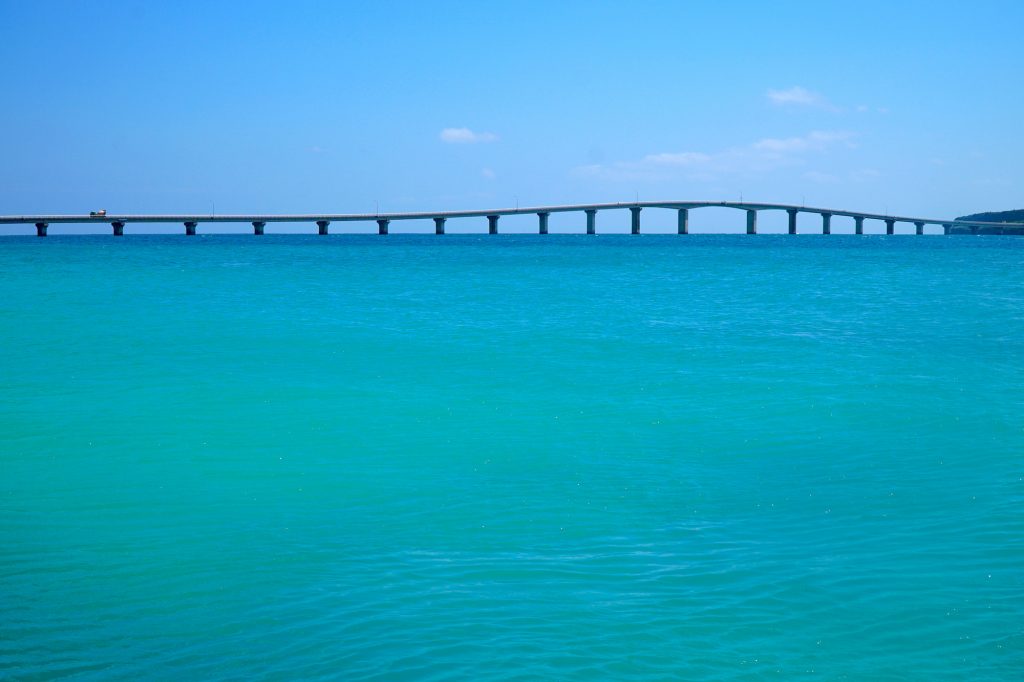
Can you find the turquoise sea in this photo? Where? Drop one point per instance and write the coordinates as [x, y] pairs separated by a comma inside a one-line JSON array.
[[512, 458]]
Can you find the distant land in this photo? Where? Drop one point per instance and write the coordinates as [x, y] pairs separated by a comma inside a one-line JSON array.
[[1016, 216]]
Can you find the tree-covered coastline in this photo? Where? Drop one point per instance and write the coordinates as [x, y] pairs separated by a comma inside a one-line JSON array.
[[1016, 216]]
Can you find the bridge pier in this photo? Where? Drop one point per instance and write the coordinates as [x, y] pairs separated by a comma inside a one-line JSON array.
[[634, 223], [792, 219], [321, 226], [947, 228], [684, 221], [41, 229], [382, 225], [591, 221], [190, 229], [858, 224], [751, 221], [257, 227], [439, 225], [826, 223], [542, 222], [118, 228], [890, 226], [919, 228], [492, 224]]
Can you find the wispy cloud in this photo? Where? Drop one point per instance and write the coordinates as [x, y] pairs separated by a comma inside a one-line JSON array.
[[465, 136], [677, 159], [814, 141], [764, 155], [801, 97], [488, 174]]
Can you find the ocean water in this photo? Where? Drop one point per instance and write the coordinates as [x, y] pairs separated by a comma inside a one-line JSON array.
[[512, 457]]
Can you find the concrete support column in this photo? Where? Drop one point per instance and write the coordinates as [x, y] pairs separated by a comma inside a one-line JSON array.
[[439, 225], [591, 221], [890, 226], [41, 229], [542, 222], [634, 223], [947, 228], [792, 219], [190, 229], [118, 228], [321, 226], [751, 222], [826, 223], [683, 224], [492, 224], [382, 225], [257, 227], [919, 228], [858, 224]]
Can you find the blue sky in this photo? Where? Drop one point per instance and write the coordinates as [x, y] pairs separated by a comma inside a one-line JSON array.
[[901, 107]]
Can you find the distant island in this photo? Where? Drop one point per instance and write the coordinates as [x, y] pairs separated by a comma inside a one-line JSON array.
[[1016, 216]]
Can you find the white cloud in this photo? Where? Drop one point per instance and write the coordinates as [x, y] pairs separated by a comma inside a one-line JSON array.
[[795, 95], [814, 141], [799, 97], [863, 108], [488, 173], [762, 156], [465, 136], [677, 159]]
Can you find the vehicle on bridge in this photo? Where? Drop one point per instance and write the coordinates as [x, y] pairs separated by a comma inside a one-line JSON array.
[[98, 214]]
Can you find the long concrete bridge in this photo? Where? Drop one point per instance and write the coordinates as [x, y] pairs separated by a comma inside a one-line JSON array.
[[383, 220]]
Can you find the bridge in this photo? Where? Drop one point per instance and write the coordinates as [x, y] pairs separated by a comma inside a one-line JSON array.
[[383, 220]]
